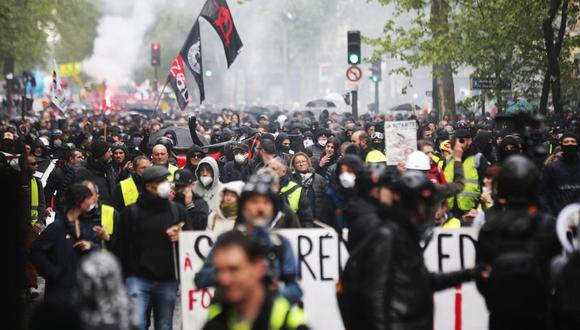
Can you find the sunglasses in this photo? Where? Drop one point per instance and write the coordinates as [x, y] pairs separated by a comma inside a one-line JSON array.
[[197, 156]]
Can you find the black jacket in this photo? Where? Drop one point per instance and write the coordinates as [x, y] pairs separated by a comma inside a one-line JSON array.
[[509, 231], [56, 259], [58, 181], [143, 247], [385, 282], [197, 212], [315, 188], [233, 171], [560, 184], [101, 174]]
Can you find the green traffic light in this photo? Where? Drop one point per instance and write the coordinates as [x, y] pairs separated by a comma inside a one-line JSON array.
[[208, 73], [374, 79], [353, 58]]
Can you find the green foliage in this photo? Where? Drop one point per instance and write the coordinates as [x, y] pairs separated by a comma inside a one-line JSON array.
[[497, 38], [25, 26]]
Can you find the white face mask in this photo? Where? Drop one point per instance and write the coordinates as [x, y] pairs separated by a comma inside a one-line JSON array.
[[308, 143], [347, 180], [240, 158], [163, 189], [92, 207], [322, 142], [206, 180]]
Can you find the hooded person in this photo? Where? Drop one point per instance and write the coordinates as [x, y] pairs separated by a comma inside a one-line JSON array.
[[100, 295], [224, 218], [96, 168], [560, 184], [241, 167], [321, 136], [194, 155], [509, 146], [195, 206], [283, 144], [120, 161], [208, 182], [342, 188]]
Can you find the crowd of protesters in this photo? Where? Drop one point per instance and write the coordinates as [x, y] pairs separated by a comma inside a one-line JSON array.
[[129, 184]]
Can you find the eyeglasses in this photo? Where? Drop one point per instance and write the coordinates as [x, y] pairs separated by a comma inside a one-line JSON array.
[[197, 156]]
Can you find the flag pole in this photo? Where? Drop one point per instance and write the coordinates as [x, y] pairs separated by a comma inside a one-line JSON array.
[[159, 97]]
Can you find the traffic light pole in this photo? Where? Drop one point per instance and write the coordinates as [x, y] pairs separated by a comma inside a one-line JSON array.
[[377, 97], [354, 104], [156, 79]]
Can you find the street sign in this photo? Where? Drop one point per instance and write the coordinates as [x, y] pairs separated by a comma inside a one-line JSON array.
[[353, 73], [489, 83]]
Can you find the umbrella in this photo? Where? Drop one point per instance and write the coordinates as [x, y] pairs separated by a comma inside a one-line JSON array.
[[320, 103], [256, 111], [405, 107], [520, 105], [183, 137]]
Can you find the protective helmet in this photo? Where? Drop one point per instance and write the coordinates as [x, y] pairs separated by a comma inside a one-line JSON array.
[[166, 142], [414, 188], [445, 146], [259, 185], [418, 160], [518, 180]]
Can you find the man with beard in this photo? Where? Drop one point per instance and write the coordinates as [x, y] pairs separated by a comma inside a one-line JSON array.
[[120, 163], [96, 168], [561, 178]]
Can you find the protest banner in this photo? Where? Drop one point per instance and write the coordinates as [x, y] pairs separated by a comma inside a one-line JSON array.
[[400, 140], [321, 256]]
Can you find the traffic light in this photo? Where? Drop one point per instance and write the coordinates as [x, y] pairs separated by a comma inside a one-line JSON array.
[[354, 57], [208, 73], [376, 71], [155, 54]]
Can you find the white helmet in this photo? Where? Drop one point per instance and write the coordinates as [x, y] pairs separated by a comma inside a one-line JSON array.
[[418, 160]]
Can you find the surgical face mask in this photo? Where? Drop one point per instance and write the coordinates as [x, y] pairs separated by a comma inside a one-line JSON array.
[[347, 180], [240, 158], [206, 180], [308, 143], [57, 143], [92, 207], [486, 190], [322, 142], [163, 189]]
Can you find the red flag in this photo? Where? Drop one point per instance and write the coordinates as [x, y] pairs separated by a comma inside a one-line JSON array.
[[178, 81]]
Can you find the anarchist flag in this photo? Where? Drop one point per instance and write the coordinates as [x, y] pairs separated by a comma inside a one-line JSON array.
[[191, 52], [178, 81], [218, 14]]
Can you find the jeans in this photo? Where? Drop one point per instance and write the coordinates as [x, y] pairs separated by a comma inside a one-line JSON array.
[[160, 296]]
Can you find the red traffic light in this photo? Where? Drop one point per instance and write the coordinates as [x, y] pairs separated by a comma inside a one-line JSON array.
[[155, 46]]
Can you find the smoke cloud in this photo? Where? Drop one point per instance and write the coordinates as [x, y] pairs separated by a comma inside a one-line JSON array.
[[120, 35]]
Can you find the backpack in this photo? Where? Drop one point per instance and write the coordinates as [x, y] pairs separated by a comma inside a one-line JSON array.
[[518, 279]]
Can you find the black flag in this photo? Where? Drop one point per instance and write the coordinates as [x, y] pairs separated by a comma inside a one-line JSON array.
[[178, 81], [218, 14], [191, 52]]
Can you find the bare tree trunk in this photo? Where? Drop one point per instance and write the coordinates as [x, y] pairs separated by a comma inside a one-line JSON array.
[[443, 72], [545, 93], [553, 50]]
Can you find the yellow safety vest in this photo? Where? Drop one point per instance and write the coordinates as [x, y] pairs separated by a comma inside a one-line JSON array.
[[293, 197], [172, 168], [33, 201], [107, 218], [452, 223], [283, 316], [439, 160], [375, 156], [129, 191], [469, 198]]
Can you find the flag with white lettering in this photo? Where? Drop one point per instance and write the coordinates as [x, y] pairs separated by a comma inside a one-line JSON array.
[[218, 14], [57, 94], [178, 81], [191, 52]]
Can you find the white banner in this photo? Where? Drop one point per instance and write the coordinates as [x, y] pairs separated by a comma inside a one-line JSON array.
[[318, 252], [400, 140]]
